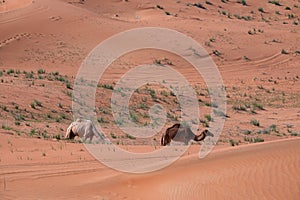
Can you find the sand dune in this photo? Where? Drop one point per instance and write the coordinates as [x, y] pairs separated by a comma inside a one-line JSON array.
[[259, 171], [255, 47]]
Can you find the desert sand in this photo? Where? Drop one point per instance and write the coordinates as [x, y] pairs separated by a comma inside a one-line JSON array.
[[255, 47]]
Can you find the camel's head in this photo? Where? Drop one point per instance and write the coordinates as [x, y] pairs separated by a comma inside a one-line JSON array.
[[70, 133], [208, 133]]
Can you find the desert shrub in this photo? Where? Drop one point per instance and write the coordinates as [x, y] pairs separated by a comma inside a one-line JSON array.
[[10, 71], [209, 3], [164, 93], [101, 120], [254, 122], [29, 74], [55, 73], [258, 106], [199, 5], [253, 140], [32, 132], [246, 132], [294, 134], [58, 137], [38, 103], [273, 128], [113, 135], [252, 32], [133, 117], [68, 85], [257, 139], [4, 108], [159, 7], [152, 94], [33, 105], [260, 9], [41, 71], [283, 51], [277, 3], [60, 105], [172, 117], [239, 108], [19, 117], [209, 118], [243, 2], [291, 16], [60, 78], [233, 143], [130, 137], [265, 131], [217, 53], [106, 86], [6, 127]]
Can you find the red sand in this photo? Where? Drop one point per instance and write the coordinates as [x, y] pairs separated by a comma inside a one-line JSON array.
[[256, 52]]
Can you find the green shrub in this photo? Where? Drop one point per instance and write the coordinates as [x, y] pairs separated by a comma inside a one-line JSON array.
[[113, 136], [284, 51], [33, 105], [258, 106], [209, 118], [159, 7], [260, 9], [130, 137], [6, 127], [246, 132], [32, 132], [233, 143], [294, 134], [38, 103], [11, 71], [243, 2], [209, 3], [68, 85], [273, 128], [4, 108], [257, 139], [29, 74], [41, 71], [254, 122], [277, 3], [58, 137], [239, 108]]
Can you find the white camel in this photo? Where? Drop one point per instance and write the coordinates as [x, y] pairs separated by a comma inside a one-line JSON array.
[[84, 129]]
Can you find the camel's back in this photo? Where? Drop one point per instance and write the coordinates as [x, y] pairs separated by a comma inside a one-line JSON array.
[[83, 125]]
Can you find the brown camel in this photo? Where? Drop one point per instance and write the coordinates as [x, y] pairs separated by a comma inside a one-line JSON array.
[[180, 133]]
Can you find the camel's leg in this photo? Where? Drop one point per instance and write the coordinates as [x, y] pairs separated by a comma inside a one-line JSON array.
[[85, 136], [91, 136]]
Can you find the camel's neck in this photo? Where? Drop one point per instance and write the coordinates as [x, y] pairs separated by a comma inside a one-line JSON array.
[[200, 137]]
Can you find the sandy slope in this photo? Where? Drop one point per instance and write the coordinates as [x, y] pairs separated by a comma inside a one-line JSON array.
[[256, 52], [258, 171]]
